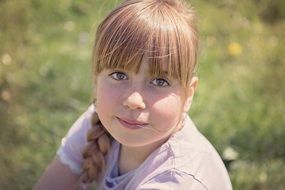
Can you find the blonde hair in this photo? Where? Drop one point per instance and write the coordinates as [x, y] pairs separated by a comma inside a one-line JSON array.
[[161, 31]]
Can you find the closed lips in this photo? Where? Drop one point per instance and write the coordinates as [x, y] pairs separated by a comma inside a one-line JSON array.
[[131, 123]]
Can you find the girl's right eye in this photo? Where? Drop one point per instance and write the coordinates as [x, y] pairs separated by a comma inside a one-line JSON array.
[[119, 75]]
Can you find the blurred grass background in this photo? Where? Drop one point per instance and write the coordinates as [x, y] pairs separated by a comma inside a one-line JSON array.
[[45, 84]]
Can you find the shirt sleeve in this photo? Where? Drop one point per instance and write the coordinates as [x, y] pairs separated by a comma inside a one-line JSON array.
[[173, 179], [70, 150]]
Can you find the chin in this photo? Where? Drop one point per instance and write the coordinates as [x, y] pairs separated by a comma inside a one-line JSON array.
[[130, 142]]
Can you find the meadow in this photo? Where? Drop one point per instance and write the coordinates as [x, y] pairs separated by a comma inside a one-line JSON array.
[[45, 84]]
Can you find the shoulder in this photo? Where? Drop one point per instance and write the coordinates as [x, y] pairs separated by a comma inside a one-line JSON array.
[[70, 150], [173, 179], [81, 126], [206, 168], [83, 120], [196, 157], [200, 172]]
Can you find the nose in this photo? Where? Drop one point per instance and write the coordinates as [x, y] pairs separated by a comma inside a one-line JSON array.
[[134, 101]]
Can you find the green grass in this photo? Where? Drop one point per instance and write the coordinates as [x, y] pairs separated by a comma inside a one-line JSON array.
[[45, 84]]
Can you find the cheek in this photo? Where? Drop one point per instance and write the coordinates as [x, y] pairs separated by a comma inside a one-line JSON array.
[[167, 112], [106, 99]]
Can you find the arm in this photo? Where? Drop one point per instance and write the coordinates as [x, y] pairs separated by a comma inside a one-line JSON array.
[[57, 177]]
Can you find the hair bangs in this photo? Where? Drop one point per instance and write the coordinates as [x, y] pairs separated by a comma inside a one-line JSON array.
[[147, 31], [120, 43], [172, 48]]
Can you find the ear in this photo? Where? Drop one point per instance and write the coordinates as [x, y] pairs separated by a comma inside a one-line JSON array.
[[190, 93]]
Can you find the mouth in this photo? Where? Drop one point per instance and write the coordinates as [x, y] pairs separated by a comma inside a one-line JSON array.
[[131, 124]]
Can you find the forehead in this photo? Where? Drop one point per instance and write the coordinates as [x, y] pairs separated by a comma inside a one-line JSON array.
[[146, 66]]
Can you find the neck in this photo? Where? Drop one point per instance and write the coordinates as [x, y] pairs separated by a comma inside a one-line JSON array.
[[132, 157]]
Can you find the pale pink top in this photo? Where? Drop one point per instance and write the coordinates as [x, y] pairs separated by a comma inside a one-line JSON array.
[[186, 161]]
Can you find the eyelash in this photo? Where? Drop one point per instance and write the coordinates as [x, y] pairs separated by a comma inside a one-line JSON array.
[[124, 76], [165, 82], [114, 75]]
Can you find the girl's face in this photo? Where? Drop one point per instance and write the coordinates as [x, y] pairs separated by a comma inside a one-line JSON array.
[[138, 109]]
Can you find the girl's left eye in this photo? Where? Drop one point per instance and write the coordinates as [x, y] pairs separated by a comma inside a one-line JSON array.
[[160, 82], [119, 75]]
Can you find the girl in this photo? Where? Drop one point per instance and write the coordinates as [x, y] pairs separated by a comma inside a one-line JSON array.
[[137, 134]]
